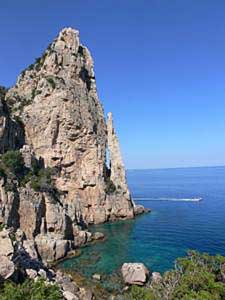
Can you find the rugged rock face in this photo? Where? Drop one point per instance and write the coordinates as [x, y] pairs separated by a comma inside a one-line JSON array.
[[53, 115], [11, 132], [64, 124]]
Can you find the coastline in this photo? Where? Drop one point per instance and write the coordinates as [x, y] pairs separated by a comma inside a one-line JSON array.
[[107, 280]]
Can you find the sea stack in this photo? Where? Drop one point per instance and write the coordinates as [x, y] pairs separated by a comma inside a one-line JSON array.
[[53, 116]]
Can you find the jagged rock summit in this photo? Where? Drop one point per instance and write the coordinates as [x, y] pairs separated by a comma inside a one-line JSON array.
[[54, 118]]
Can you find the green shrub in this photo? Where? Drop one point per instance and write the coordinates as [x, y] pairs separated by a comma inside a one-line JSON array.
[[200, 277], [110, 187], [12, 167], [30, 67], [2, 226], [18, 120], [22, 102], [30, 290], [39, 63], [139, 293], [9, 186], [33, 93], [195, 277], [51, 82], [13, 161], [2, 172], [37, 92], [42, 181]]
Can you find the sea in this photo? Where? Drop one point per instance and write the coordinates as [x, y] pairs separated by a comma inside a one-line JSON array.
[[187, 213]]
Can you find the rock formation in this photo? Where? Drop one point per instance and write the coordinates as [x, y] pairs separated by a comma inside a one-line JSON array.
[[117, 168], [54, 118], [19, 260], [135, 273], [11, 132]]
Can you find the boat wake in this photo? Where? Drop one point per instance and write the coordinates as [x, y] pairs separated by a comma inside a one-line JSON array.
[[169, 199]]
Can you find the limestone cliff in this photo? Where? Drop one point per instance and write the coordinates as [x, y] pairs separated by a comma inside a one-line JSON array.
[[53, 115]]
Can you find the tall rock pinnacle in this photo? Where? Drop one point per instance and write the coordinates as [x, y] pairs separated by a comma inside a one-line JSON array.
[[55, 101], [118, 175]]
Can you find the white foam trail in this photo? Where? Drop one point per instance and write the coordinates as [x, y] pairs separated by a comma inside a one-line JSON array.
[[169, 199]]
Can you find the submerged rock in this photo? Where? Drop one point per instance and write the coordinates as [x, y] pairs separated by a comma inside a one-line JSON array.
[[135, 273]]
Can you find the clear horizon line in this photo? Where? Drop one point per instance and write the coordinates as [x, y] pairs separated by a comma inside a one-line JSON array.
[[165, 168]]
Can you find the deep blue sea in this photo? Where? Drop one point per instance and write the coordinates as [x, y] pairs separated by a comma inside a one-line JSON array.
[[176, 223]]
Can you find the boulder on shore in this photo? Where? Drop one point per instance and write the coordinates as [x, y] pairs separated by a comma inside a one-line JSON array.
[[51, 247], [135, 273], [7, 267]]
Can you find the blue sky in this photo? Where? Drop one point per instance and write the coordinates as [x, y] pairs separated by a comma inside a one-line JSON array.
[[159, 64]]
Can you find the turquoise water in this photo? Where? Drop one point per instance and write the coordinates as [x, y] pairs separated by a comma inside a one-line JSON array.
[[175, 224]]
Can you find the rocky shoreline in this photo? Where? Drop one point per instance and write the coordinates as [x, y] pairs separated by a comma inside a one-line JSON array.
[[19, 261]]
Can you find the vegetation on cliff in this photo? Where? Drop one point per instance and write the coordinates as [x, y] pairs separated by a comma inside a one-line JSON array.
[[12, 162], [197, 276], [30, 289], [14, 171]]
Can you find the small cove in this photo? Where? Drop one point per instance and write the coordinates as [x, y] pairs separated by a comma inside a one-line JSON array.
[[172, 227]]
